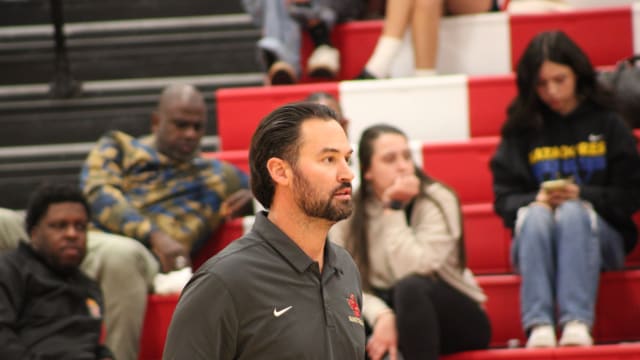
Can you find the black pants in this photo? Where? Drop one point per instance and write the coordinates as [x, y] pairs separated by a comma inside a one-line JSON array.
[[435, 319]]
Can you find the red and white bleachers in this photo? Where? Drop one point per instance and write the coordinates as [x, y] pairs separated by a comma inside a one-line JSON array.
[[617, 313], [491, 43], [420, 107], [423, 107], [456, 120], [487, 244]]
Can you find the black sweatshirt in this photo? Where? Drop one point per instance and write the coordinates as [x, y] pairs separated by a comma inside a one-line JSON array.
[[45, 314], [591, 145]]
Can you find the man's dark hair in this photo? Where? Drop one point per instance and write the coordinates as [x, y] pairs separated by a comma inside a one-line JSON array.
[[320, 95], [52, 193], [278, 135]]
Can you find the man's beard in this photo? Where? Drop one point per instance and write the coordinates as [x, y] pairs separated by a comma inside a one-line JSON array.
[[64, 268], [313, 205]]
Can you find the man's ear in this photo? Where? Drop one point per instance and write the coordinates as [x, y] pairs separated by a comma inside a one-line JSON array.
[[279, 171], [155, 121], [34, 238]]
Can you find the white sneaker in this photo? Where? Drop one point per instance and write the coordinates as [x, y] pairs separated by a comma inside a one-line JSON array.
[[324, 62], [576, 333], [542, 336]]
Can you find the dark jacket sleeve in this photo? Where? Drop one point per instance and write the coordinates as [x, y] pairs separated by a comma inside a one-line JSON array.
[[12, 289], [103, 352], [621, 195], [513, 185], [205, 324]]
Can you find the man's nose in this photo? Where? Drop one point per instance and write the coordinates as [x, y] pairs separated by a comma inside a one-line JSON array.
[[190, 132], [345, 173], [71, 231]]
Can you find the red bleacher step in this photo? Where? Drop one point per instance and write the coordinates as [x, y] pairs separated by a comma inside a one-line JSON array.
[[612, 41], [606, 35], [160, 309], [487, 241], [600, 352], [241, 109], [617, 316], [463, 165], [489, 97], [617, 310]]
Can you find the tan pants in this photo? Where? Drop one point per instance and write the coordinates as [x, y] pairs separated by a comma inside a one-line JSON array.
[[123, 267]]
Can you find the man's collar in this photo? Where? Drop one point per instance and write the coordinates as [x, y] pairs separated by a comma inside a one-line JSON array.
[[23, 246], [288, 249]]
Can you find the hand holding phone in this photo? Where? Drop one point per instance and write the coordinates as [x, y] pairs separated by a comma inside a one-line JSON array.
[[551, 185]]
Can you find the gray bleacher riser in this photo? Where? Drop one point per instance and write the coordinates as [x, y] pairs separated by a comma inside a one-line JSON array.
[[55, 122], [125, 52], [15, 191], [39, 121], [34, 119], [29, 12], [133, 51]]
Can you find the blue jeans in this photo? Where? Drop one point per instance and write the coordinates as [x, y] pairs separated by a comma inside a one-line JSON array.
[[281, 34], [559, 255]]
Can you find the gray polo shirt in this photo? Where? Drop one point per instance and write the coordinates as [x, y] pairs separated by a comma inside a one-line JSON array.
[[263, 298]]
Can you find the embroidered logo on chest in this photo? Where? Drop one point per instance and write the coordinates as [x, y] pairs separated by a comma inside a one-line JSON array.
[[94, 308], [353, 304]]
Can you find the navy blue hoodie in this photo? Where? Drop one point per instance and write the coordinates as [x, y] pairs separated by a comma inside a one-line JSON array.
[[593, 146]]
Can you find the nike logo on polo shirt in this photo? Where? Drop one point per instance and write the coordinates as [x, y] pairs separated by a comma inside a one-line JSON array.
[[278, 313]]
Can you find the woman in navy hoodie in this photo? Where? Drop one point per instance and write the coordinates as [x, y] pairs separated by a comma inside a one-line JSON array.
[[567, 180]]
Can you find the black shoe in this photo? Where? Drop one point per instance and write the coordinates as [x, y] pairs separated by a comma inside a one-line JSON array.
[[281, 73], [268, 57], [365, 75]]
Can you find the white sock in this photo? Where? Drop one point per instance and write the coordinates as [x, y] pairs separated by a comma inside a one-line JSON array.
[[424, 72], [379, 63]]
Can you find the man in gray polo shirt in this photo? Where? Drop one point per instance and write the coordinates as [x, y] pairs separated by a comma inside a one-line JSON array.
[[282, 291]]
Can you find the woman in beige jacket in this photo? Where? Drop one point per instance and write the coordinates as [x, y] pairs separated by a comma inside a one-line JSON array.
[[405, 234]]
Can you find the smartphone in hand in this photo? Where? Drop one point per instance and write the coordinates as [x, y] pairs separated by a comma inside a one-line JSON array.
[[551, 185]]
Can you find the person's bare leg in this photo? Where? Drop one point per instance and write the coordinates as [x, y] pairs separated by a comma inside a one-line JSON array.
[[398, 15], [425, 25], [465, 7]]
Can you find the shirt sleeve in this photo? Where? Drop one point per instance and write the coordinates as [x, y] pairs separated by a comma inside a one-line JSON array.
[[11, 295], [101, 181], [622, 193], [372, 307], [424, 246], [512, 187], [204, 325]]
